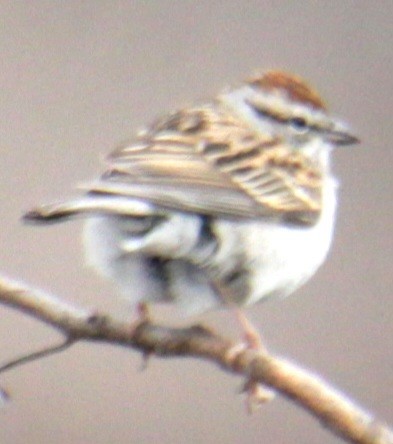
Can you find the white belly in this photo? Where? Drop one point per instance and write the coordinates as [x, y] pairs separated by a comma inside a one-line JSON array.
[[276, 259], [282, 258]]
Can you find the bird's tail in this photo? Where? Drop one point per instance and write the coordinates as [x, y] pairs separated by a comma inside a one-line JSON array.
[[89, 204]]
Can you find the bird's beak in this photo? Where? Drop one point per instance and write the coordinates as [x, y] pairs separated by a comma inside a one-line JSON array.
[[340, 136]]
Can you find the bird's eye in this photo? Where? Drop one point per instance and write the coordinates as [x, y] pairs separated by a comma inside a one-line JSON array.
[[299, 124]]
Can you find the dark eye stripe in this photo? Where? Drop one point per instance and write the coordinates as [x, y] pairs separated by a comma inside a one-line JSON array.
[[297, 122]]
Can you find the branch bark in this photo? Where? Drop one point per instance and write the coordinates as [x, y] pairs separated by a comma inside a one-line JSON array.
[[333, 409]]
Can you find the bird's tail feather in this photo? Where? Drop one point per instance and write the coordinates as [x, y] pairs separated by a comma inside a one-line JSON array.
[[88, 205]]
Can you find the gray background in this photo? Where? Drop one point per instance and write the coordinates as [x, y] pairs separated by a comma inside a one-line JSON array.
[[77, 77]]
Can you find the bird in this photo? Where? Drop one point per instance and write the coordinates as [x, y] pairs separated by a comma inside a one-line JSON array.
[[220, 204]]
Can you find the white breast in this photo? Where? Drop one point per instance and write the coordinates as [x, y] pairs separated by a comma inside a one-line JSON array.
[[285, 257]]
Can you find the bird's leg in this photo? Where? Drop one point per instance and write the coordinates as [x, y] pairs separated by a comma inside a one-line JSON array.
[[256, 393], [143, 313], [251, 334], [142, 317]]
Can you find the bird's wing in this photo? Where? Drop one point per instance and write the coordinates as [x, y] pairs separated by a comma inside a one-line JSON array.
[[207, 160]]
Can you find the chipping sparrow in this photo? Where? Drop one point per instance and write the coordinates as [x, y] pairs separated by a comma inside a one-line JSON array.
[[226, 203]]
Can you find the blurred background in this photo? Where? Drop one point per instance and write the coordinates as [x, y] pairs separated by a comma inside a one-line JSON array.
[[76, 79]]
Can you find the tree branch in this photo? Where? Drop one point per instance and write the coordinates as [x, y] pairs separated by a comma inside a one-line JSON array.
[[332, 408]]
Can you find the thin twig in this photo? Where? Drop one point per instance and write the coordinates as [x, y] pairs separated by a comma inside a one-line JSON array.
[[328, 405], [47, 351]]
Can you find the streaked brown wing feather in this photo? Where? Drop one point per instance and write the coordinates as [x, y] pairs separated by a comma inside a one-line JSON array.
[[207, 160]]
